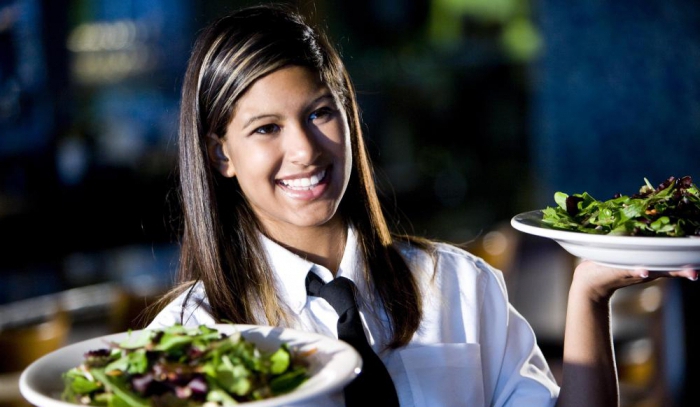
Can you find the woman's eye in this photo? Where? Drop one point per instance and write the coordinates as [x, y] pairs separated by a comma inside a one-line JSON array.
[[267, 129], [321, 113]]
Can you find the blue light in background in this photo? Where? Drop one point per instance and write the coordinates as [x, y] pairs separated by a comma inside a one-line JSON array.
[[616, 96]]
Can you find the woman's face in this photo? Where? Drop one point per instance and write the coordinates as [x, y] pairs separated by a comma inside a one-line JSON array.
[[288, 144]]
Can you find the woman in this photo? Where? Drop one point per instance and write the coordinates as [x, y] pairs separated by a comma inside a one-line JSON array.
[[276, 183]]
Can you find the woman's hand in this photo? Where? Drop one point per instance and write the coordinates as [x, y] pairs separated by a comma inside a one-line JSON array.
[[589, 372], [598, 283]]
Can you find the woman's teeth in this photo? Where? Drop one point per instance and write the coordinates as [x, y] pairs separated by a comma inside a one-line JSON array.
[[304, 183]]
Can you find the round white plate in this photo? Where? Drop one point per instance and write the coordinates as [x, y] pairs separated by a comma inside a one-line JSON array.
[[333, 365], [651, 253]]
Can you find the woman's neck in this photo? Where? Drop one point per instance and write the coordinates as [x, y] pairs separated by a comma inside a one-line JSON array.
[[323, 245]]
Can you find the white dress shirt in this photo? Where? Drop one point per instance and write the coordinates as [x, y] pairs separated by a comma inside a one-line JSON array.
[[472, 347]]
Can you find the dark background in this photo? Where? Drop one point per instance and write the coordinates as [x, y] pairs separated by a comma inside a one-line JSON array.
[[474, 110]]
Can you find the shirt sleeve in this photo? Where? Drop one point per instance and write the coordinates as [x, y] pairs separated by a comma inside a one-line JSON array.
[[514, 366]]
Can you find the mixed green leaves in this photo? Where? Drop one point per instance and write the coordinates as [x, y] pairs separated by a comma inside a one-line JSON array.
[[182, 367], [671, 209]]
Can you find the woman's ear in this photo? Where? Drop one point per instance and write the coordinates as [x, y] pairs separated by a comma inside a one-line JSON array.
[[218, 157]]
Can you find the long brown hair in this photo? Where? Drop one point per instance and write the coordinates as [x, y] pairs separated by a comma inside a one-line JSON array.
[[220, 245]]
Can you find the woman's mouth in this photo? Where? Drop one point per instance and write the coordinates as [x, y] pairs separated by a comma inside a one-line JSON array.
[[305, 183]]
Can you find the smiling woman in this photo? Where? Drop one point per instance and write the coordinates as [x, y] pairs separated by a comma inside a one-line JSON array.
[[283, 227], [266, 99]]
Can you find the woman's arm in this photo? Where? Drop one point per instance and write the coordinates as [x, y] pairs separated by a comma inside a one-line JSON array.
[[589, 376]]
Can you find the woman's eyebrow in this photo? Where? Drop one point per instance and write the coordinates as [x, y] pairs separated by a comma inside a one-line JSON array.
[[259, 117], [326, 95]]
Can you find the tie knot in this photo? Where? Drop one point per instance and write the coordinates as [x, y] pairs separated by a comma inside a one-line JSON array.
[[340, 292]]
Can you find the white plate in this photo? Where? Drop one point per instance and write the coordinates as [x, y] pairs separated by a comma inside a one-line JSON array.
[[651, 253], [332, 366]]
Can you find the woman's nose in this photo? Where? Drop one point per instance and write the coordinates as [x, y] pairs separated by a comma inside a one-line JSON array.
[[302, 145]]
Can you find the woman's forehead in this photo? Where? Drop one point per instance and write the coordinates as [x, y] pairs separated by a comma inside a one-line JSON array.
[[286, 88]]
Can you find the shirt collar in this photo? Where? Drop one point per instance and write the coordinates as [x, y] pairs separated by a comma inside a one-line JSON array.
[[352, 263], [290, 269]]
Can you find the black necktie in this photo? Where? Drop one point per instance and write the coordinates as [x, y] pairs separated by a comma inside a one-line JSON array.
[[373, 386]]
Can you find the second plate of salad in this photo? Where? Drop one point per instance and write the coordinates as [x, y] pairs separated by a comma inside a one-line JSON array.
[[657, 228]]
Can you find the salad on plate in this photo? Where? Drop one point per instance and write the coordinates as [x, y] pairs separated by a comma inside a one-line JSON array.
[[180, 366], [672, 209]]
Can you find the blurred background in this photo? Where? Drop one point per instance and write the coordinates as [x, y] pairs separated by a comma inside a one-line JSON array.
[[474, 111]]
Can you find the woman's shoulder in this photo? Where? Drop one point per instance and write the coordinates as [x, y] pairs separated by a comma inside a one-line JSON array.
[[443, 260], [190, 308]]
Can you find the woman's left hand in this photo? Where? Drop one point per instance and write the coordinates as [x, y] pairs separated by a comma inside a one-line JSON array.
[[598, 283]]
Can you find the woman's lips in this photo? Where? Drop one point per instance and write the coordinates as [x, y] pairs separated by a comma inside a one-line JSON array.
[[306, 188]]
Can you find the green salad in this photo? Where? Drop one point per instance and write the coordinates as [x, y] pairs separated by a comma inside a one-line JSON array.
[[181, 366], [671, 209]]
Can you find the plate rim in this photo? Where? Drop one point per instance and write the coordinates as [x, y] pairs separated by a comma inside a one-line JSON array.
[[338, 380], [652, 253]]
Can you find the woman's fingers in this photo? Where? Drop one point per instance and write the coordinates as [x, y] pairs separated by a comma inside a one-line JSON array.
[[690, 274], [600, 282]]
